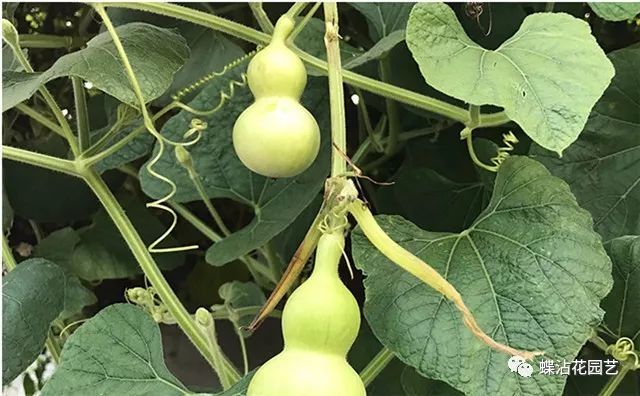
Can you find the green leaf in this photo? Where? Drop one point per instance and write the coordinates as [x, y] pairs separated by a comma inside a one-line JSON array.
[[433, 201], [9, 60], [239, 388], [242, 294], [603, 166], [537, 75], [32, 297], [615, 11], [378, 51], [98, 251], [276, 202], [531, 261], [155, 54], [18, 87], [384, 18], [58, 247], [209, 50], [76, 297], [623, 303], [386, 27], [287, 242], [117, 352]]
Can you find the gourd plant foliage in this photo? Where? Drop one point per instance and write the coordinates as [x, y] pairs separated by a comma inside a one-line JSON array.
[[498, 145]]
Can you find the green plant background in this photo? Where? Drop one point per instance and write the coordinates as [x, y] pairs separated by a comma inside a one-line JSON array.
[[545, 251]]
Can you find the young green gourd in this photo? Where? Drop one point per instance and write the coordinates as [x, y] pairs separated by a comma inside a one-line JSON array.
[[276, 136], [320, 322]]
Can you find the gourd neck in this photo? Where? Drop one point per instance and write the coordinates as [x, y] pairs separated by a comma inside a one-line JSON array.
[[330, 247], [282, 30]]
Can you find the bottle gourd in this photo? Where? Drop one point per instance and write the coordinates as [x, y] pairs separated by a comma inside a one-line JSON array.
[[276, 136], [320, 322]]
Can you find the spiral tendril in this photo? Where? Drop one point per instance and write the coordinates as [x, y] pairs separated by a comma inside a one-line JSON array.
[[509, 140], [624, 349], [191, 137]]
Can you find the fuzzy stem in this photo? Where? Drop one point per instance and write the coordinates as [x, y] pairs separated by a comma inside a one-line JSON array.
[[336, 91], [376, 365]]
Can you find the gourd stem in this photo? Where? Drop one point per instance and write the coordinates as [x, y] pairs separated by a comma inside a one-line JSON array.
[[129, 233], [425, 273], [336, 91], [40, 118], [613, 383], [261, 16], [67, 133], [376, 365], [284, 27]]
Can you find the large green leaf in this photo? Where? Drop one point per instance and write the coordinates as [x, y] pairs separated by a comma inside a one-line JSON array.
[[33, 295], [615, 11], [98, 251], [276, 202], [117, 352], [538, 75], [530, 261], [623, 303], [603, 166], [155, 55]]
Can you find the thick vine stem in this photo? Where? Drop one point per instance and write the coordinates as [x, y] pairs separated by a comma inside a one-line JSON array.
[[10, 35], [336, 90], [150, 268], [41, 160], [127, 230], [357, 80], [425, 273]]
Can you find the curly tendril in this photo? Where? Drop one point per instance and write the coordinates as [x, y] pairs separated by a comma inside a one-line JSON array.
[[509, 140], [191, 137], [624, 349]]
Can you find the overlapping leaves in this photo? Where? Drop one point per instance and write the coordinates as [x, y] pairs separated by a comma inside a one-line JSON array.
[[530, 268]]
